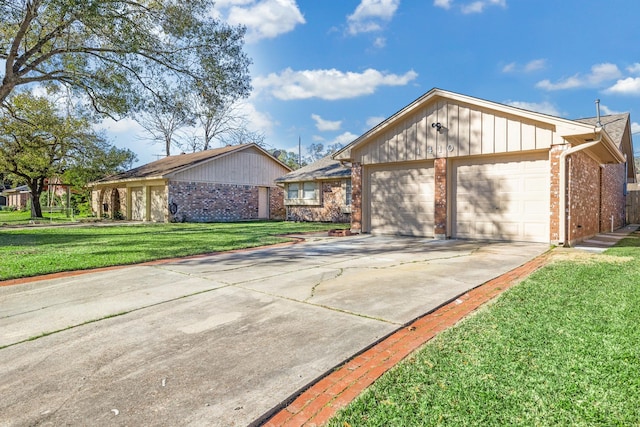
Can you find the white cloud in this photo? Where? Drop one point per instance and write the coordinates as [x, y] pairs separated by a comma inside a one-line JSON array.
[[264, 19], [380, 42], [635, 128], [257, 121], [600, 73], [374, 121], [608, 111], [123, 126], [370, 13], [531, 66], [328, 84], [445, 4], [326, 125], [540, 107], [344, 138], [634, 69], [628, 86], [535, 65]]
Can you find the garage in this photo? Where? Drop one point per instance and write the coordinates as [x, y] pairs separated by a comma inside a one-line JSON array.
[[402, 199], [503, 198]]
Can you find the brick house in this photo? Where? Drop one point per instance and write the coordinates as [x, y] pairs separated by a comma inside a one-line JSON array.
[[226, 184], [17, 197], [454, 166], [320, 192]]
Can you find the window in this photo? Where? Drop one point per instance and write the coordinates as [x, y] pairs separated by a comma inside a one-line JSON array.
[[302, 194], [292, 192], [347, 191], [309, 190]]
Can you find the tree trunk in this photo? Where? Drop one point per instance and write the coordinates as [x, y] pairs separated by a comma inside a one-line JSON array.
[[36, 186]]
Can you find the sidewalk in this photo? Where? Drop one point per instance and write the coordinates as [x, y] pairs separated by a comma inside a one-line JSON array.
[[323, 399]]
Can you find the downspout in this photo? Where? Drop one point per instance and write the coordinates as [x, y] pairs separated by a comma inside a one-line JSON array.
[[562, 233]]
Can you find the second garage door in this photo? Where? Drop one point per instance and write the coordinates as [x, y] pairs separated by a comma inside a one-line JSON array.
[[504, 198], [402, 199]]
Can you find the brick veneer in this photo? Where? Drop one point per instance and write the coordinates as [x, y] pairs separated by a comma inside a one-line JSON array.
[[440, 214], [207, 202], [554, 202], [613, 201], [583, 186], [330, 209], [276, 203], [356, 197]]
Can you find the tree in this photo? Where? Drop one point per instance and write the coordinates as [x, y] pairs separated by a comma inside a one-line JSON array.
[[163, 118], [317, 151], [224, 123], [38, 142], [115, 52], [289, 158]]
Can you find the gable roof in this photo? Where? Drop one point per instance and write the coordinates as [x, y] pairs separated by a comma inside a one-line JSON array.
[[170, 165], [614, 124], [16, 190], [325, 168]]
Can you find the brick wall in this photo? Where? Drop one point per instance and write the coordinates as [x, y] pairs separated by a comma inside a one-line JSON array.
[[583, 182], [440, 214], [207, 202], [613, 200], [356, 197], [332, 199], [276, 203], [554, 211]]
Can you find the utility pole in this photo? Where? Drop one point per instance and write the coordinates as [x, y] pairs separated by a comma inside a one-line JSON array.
[[299, 153]]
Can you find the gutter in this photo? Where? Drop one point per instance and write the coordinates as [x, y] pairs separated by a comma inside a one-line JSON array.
[[562, 236]]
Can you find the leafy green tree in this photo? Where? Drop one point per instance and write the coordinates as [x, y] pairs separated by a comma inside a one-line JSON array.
[[38, 142], [289, 158], [115, 53]]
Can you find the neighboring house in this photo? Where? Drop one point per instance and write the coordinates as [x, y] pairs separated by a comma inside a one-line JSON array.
[[453, 166], [225, 184], [320, 191], [17, 197]]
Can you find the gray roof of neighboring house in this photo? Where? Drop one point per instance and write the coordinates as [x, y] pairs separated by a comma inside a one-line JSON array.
[[171, 164], [323, 169], [15, 190], [614, 124]]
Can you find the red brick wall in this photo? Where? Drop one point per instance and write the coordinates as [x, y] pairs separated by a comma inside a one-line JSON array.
[[554, 211], [583, 181], [613, 201], [330, 210], [356, 197], [440, 226], [207, 202], [276, 203]]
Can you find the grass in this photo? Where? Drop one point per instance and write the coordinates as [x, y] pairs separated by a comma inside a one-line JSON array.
[[23, 217], [34, 251], [561, 348]]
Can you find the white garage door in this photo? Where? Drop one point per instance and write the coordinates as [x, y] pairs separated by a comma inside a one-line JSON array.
[[503, 198], [402, 201]]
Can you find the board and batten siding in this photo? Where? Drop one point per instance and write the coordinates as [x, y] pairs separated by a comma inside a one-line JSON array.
[[467, 131], [248, 167]]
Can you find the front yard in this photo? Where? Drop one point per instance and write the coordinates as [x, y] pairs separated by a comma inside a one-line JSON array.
[[561, 348], [34, 251]]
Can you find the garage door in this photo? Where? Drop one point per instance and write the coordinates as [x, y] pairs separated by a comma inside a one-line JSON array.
[[402, 200], [503, 198]]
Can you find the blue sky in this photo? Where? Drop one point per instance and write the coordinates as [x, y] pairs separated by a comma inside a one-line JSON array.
[[328, 70]]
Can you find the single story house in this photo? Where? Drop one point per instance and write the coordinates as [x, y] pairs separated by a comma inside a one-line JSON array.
[[320, 192], [17, 197], [225, 184], [453, 166]]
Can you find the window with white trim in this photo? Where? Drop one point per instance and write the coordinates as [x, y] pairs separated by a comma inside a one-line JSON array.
[[347, 192], [302, 193]]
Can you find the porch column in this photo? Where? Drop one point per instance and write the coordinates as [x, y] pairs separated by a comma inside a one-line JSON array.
[[440, 197]]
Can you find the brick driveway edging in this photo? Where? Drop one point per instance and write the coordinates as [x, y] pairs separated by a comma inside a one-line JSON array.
[[324, 398]]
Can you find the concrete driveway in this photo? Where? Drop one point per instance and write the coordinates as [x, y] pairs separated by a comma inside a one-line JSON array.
[[222, 339]]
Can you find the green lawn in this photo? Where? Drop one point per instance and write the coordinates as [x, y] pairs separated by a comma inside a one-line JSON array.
[[35, 251], [8, 217], [561, 348]]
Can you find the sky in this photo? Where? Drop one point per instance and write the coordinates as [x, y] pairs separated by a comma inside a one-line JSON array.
[[326, 71]]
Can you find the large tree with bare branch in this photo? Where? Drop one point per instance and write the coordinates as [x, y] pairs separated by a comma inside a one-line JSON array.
[[114, 52]]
